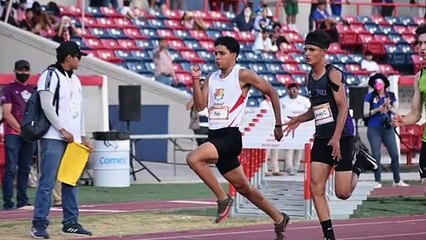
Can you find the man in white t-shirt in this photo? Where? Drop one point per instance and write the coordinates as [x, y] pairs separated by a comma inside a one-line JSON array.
[[67, 125], [368, 63], [262, 43], [293, 105]]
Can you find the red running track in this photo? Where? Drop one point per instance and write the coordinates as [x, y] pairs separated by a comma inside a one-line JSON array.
[[392, 228]]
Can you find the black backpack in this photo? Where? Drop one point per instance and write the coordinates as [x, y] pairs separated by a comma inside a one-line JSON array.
[[35, 124]]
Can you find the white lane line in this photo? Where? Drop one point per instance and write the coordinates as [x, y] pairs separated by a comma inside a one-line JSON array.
[[387, 236], [193, 202]]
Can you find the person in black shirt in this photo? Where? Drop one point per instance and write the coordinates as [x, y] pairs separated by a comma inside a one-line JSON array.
[[334, 130]]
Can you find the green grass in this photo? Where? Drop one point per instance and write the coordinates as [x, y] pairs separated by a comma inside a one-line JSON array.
[[139, 192], [391, 206]]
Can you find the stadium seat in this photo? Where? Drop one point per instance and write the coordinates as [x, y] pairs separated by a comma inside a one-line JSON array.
[[359, 28], [149, 33], [393, 21], [208, 67], [387, 30], [253, 57], [166, 34], [150, 66], [193, 44], [185, 79], [95, 11], [207, 55], [155, 14], [141, 24], [109, 56], [408, 21], [270, 57], [292, 68], [177, 44], [356, 69], [224, 26], [258, 67], [401, 29], [71, 11], [117, 33], [173, 14], [352, 80], [288, 48], [125, 55], [213, 34], [305, 67], [285, 58], [80, 43], [419, 20], [298, 57], [90, 22], [270, 77], [141, 55], [94, 43], [409, 38], [136, 66], [133, 33], [364, 19], [199, 35], [207, 44], [100, 33], [275, 68], [174, 24], [192, 56], [123, 23], [384, 39], [351, 19], [387, 69], [373, 29], [128, 44], [183, 34], [157, 23], [111, 44], [110, 12], [218, 16], [247, 36], [379, 20], [335, 49], [396, 38], [105, 22], [294, 37], [284, 78]]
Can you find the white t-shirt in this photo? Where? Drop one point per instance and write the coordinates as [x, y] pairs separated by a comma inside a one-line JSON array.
[[261, 44], [369, 66], [294, 107], [70, 103]]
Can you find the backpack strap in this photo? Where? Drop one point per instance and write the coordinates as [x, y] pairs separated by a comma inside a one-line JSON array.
[[55, 102], [331, 84]]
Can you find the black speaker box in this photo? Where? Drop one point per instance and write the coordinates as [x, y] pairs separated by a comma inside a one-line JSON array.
[[129, 100], [356, 100]]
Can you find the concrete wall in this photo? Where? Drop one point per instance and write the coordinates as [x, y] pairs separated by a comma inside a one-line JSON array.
[[40, 52]]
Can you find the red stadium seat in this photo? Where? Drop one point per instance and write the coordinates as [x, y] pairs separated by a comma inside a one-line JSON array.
[[174, 24], [387, 69], [199, 35], [111, 44], [335, 49], [192, 56], [123, 23], [94, 43], [110, 12], [173, 14], [71, 11], [105, 22], [177, 44], [167, 34], [284, 78], [128, 44], [134, 33], [356, 69], [379, 20], [285, 58], [109, 56], [207, 44], [292, 68]]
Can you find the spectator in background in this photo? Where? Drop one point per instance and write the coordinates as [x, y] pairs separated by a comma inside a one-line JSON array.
[[159, 4], [314, 5], [245, 20], [263, 5], [66, 30], [291, 10], [193, 23], [19, 153], [387, 10], [27, 23], [262, 20], [278, 36], [12, 19], [262, 43], [235, 4], [272, 153], [293, 105], [336, 7], [325, 22], [379, 107], [368, 63], [44, 27], [376, 10], [163, 62], [21, 10], [130, 13], [215, 5]]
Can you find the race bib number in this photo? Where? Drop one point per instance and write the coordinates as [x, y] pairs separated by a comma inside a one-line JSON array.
[[219, 113], [323, 114]]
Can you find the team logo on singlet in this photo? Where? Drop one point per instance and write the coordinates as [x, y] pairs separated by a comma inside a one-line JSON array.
[[219, 93]]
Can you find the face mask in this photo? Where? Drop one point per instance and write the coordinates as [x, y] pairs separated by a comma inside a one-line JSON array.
[[22, 77], [379, 86]]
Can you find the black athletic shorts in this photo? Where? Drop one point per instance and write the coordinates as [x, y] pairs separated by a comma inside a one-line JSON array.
[[321, 152], [228, 143], [422, 161]]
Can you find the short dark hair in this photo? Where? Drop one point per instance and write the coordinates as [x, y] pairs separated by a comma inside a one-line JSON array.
[[368, 53], [419, 31], [318, 38], [229, 42]]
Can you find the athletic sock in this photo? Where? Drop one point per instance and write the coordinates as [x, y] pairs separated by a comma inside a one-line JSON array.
[[357, 170], [327, 229]]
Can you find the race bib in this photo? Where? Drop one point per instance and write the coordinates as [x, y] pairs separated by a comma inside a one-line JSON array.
[[323, 114], [219, 113]]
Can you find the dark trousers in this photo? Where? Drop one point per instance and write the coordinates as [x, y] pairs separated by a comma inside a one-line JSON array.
[[19, 158]]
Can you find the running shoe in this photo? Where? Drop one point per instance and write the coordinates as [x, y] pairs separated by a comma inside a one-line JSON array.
[[75, 229], [39, 232], [280, 227], [223, 209], [369, 163]]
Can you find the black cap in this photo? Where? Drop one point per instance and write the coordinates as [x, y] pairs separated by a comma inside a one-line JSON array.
[[318, 38], [376, 76], [20, 64], [70, 48]]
